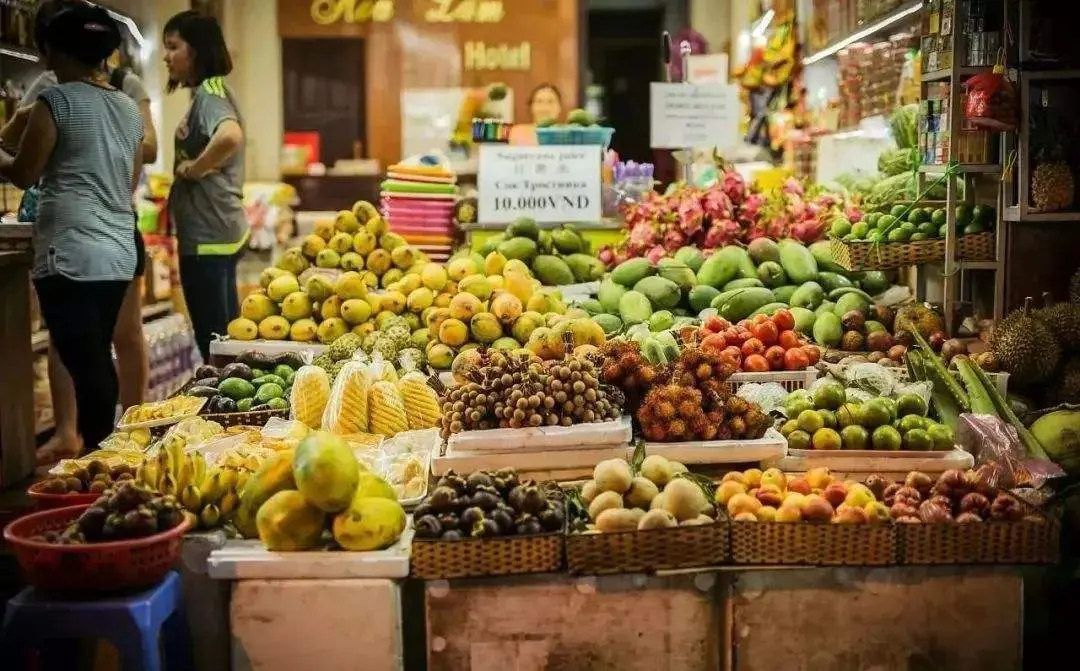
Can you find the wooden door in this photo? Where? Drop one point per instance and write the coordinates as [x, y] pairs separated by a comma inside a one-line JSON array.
[[323, 92]]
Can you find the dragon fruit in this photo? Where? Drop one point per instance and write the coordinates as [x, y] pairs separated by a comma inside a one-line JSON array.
[[606, 256], [643, 235], [793, 186], [734, 186], [723, 233], [673, 240], [655, 254], [853, 214]]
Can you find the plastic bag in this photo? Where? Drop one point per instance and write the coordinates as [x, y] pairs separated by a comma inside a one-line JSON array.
[[769, 395], [999, 454], [309, 396], [990, 101], [347, 409]]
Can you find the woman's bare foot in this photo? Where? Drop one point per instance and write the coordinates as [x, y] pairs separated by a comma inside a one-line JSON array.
[[60, 446]]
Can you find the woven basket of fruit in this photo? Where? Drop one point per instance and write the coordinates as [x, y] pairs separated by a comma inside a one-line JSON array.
[[127, 541], [241, 393], [814, 543], [884, 255], [634, 551], [976, 247], [958, 519], [488, 524]]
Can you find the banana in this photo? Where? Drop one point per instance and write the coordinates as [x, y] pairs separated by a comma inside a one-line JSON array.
[[200, 467], [168, 484], [212, 488], [251, 463], [228, 503], [229, 477], [186, 473], [147, 473], [162, 469], [210, 516], [190, 498], [241, 480]]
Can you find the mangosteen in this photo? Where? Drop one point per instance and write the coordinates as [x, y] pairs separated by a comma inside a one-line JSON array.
[[485, 528], [423, 509], [532, 500], [471, 516], [505, 519], [499, 484], [453, 481], [478, 479], [516, 497], [92, 520], [528, 525], [448, 521], [486, 500], [427, 526], [552, 518], [442, 499], [451, 535]]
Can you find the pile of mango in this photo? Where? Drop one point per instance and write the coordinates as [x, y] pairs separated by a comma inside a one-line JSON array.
[[557, 257]]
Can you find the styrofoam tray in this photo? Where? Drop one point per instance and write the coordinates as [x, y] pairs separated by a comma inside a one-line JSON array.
[[875, 454], [581, 290], [230, 347], [164, 421], [250, 560], [770, 446], [571, 464], [543, 438], [884, 462]]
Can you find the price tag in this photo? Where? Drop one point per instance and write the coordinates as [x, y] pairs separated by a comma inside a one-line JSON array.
[[694, 115], [551, 184]]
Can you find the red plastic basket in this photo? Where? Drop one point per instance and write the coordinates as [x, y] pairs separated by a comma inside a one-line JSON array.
[[48, 501], [94, 568]]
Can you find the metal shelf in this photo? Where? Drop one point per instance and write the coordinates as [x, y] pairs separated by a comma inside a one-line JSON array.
[[978, 265], [21, 53], [970, 169], [945, 75], [903, 16], [1049, 75]]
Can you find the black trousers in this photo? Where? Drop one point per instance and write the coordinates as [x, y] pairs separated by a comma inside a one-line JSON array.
[[81, 317], [209, 284]]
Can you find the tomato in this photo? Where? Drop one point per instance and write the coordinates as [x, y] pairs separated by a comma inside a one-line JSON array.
[[766, 332], [713, 342], [760, 318], [732, 353], [789, 339], [813, 352], [796, 359], [784, 320], [716, 324], [744, 325], [775, 356], [755, 363], [752, 346], [730, 334]]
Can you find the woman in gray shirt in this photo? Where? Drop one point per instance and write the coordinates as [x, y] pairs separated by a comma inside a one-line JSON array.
[[82, 143]]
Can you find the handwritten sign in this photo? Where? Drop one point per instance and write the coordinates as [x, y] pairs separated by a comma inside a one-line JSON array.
[[693, 115], [326, 12], [550, 184]]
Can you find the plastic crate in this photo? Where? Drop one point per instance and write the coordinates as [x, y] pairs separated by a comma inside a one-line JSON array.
[[790, 380]]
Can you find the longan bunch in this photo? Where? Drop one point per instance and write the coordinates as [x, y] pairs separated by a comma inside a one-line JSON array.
[[576, 393]]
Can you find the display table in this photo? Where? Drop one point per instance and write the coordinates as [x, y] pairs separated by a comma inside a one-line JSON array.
[[598, 234]]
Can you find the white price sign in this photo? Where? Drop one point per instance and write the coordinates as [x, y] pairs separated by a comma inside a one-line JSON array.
[[693, 115], [550, 184]]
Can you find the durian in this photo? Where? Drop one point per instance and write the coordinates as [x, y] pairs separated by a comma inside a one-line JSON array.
[[1074, 287], [1068, 390], [421, 401], [347, 412], [310, 393], [1063, 320], [1025, 347], [386, 410]]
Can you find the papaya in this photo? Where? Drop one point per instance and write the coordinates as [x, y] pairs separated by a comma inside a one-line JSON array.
[[701, 296], [369, 523], [851, 301], [747, 269], [567, 242], [826, 306], [288, 522], [585, 268], [762, 250], [741, 302], [804, 320], [275, 475], [661, 292], [630, 272], [552, 271], [827, 330], [326, 471], [691, 257], [522, 249], [772, 274], [798, 263], [609, 294], [808, 295]]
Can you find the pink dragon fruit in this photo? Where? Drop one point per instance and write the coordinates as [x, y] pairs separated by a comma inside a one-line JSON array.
[[691, 216], [807, 231], [643, 235], [717, 205], [734, 186], [655, 254], [751, 207], [606, 256], [673, 240], [853, 214], [793, 186], [723, 232]]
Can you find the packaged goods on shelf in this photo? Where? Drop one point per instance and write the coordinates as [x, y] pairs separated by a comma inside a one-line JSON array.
[[172, 353]]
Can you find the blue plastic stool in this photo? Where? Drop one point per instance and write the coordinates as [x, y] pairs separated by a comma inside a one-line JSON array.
[[133, 624]]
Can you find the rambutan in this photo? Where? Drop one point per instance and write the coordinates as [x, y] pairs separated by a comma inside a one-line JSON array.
[[628, 363], [715, 416], [653, 432], [665, 410], [709, 432], [736, 405], [610, 371], [723, 432], [737, 425], [689, 408], [703, 371], [677, 429]]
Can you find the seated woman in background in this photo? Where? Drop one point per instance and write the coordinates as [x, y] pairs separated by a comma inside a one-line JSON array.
[[545, 104]]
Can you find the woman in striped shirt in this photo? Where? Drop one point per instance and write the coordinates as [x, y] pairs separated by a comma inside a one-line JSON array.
[[83, 145]]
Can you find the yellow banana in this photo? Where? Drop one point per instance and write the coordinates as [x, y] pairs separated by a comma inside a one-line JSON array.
[[168, 484], [228, 503], [210, 516], [190, 498], [212, 489], [186, 474], [241, 480], [200, 467], [229, 477], [162, 468]]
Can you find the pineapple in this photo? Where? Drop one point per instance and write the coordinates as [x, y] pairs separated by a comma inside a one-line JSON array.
[[386, 410], [421, 401], [310, 393], [348, 412], [1052, 185]]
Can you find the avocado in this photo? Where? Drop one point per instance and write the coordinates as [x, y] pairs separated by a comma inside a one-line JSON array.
[[268, 379], [290, 359], [237, 369], [268, 391], [205, 371], [201, 391], [221, 404], [244, 404], [206, 382], [236, 388], [254, 360]]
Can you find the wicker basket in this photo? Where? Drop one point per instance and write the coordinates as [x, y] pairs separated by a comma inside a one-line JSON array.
[[483, 557], [884, 255], [651, 550], [821, 544], [251, 418], [976, 247], [790, 380], [989, 542]]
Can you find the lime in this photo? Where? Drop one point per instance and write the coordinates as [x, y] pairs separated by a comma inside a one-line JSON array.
[[910, 404], [898, 211], [918, 440], [849, 237], [886, 438], [941, 435], [928, 228], [909, 423], [909, 227], [874, 414], [810, 421], [829, 417], [854, 437], [829, 395], [983, 214], [917, 216], [885, 221], [972, 229], [826, 439], [872, 218], [244, 404], [840, 227], [898, 235], [788, 427], [798, 440], [889, 404], [874, 235], [943, 231], [919, 236], [848, 415], [963, 215], [939, 217], [859, 229], [278, 403], [794, 405]]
